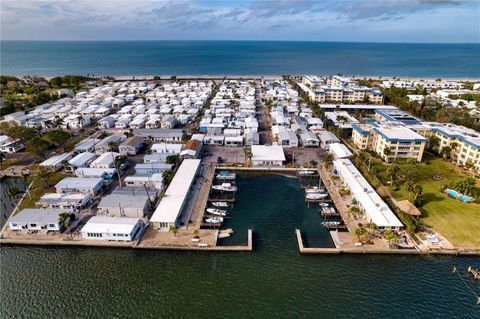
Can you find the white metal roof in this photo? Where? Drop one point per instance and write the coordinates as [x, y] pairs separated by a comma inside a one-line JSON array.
[[81, 159], [107, 224], [171, 204], [375, 208], [37, 215], [78, 182], [105, 159], [267, 153], [339, 150], [57, 159]]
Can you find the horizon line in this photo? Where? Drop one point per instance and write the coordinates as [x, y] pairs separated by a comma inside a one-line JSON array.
[[213, 40]]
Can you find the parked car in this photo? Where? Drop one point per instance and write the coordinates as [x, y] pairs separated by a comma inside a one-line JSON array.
[[219, 160], [123, 166]]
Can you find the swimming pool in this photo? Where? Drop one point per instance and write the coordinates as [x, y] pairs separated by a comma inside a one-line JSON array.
[[457, 195]]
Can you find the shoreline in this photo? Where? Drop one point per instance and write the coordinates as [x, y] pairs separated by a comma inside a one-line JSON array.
[[163, 77]]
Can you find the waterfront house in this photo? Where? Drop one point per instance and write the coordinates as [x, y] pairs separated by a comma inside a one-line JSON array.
[[37, 219], [264, 155], [112, 228], [131, 146], [80, 185], [172, 204]]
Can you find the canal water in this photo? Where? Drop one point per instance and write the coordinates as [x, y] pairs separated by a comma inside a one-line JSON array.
[[273, 281]]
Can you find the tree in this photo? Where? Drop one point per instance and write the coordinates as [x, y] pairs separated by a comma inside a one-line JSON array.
[[248, 153], [328, 159], [37, 146], [409, 186], [387, 151], [418, 190], [392, 172], [56, 137], [446, 152], [174, 231], [359, 232], [372, 227], [390, 236], [354, 211], [433, 142], [44, 174], [172, 159], [21, 133]]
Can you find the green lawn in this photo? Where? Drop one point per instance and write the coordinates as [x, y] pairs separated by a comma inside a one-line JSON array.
[[38, 189], [459, 222]]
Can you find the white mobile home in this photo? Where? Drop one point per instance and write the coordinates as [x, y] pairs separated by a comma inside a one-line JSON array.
[[79, 185], [112, 228], [37, 219]]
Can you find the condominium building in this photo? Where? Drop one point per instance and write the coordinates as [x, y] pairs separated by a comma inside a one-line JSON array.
[[339, 89], [465, 143], [390, 142]]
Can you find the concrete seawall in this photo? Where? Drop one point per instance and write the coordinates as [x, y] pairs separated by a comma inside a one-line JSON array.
[[104, 244], [451, 252]]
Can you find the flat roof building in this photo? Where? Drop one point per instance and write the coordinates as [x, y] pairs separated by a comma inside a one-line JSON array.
[[171, 205], [112, 228], [79, 184], [125, 205], [264, 155], [37, 219], [376, 210]]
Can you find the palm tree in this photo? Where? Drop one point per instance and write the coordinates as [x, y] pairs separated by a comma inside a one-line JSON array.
[[195, 232], [372, 227], [390, 236], [248, 153], [359, 232], [328, 159], [174, 231], [392, 172]]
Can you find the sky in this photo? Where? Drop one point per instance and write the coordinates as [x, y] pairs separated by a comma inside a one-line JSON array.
[[432, 21]]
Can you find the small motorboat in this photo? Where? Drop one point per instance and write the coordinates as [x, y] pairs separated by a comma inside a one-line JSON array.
[[220, 204], [196, 239], [225, 233], [314, 189], [305, 172], [316, 196], [225, 187], [228, 230], [216, 211], [323, 205], [332, 223], [214, 220], [226, 176]]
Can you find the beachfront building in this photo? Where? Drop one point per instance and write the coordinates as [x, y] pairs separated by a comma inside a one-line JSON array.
[[172, 205], [112, 228], [37, 219], [375, 209], [125, 205], [83, 185], [264, 155]]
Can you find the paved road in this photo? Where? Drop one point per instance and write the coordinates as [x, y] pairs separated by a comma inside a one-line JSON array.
[[263, 129]]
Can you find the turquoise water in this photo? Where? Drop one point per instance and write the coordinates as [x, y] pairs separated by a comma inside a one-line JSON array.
[[238, 58], [455, 194], [274, 281]]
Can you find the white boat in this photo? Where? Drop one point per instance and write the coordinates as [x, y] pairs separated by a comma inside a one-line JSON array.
[[214, 220], [316, 196], [331, 223], [323, 204], [216, 211], [314, 189], [196, 239], [223, 235], [228, 230], [225, 187], [220, 204], [226, 176], [305, 172]]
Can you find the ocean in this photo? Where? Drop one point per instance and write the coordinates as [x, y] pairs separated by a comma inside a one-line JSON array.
[[128, 58], [273, 281]]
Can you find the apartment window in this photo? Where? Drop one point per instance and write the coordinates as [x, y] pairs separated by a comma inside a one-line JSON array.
[[51, 225]]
